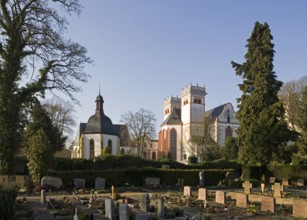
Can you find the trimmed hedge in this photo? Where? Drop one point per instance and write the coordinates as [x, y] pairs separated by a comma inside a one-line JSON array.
[[135, 176]]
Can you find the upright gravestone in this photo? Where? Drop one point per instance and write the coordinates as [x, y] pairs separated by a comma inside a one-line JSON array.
[[152, 182], [142, 216], [220, 197], [100, 183], [55, 182], [201, 178], [272, 180], [160, 208], [124, 211], [202, 194], [144, 203], [187, 191], [285, 182], [300, 182], [300, 208], [262, 187], [267, 204], [241, 200], [43, 197], [109, 209], [247, 187], [278, 188], [79, 183]]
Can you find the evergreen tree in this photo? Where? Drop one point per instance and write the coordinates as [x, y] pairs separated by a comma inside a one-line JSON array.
[[263, 129], [231, 149], [34, 57], [302, 122]]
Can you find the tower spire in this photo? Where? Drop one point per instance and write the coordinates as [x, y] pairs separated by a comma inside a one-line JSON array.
[[99, 102]]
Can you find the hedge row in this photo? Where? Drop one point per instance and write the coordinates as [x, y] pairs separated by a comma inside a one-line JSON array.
[[124, 161], [135, 176]]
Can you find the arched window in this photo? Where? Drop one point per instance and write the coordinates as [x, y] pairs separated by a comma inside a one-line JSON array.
[[153, 155], [228, 132], [110, 145], [228, 116], [145, 155], [92, 149], [173, 144], [122, 151]]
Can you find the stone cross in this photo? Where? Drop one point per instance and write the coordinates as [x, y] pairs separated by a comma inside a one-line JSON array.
[[247, 187], [278, 188]]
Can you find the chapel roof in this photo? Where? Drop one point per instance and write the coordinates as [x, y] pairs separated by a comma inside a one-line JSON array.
[[215, 112]]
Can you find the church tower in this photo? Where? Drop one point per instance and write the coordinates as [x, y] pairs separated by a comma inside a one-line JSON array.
[[192, 115], [169, 105]]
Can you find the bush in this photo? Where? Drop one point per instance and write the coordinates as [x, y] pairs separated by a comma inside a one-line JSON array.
[[7, 203]]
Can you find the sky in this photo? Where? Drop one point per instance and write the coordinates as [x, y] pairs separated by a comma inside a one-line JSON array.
[[147, 50]]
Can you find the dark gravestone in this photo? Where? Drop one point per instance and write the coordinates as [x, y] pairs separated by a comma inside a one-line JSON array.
[[100, 183], [79, 183], [201, 178]]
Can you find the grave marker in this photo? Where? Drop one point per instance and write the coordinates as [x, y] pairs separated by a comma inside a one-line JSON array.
[[241, 200], [152, 182], [201, 178], [247, 187], [268, 204], [187, 191], [272, 180], [285, 182], [109, 209], [220, 197], [124, 212], [299, 208], [202, 194], [100, 183], [142, 216], [300, 182], [144, 202], [262, 187], [277, 190], [160, 208], [43, 197], [79, 183]]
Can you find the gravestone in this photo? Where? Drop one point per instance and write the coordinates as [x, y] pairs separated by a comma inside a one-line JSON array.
[[272, 180], [285, 182], [220, 197], [160, 208], [144, 202], [300, 182], [278, 188], [247, 187], [142, 216], [201, 178], [202, 194], [267, 204], [152, 182], [262, 187], [43, 197], [109, 209], [55, 182], [187, 191], [299, 208], [100, 183], [124, 211], [79, 183], [241, 200]]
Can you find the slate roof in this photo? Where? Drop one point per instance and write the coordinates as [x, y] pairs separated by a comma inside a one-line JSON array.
[[99, 123], [215, 112], [174, 118]]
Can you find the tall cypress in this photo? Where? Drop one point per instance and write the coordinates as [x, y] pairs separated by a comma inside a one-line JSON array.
[[263, 131]]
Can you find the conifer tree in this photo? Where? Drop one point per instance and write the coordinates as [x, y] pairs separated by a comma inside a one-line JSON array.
[[263, 129], [302, 122]]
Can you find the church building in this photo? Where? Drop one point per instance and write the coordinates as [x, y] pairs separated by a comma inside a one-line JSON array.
[[99, 133], [184, 121]]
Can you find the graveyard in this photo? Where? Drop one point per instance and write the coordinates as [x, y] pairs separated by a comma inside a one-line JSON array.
[[271, 200]]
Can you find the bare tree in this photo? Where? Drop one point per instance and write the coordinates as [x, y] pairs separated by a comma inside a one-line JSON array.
[[61, 113], [290, 94], [140, 125]]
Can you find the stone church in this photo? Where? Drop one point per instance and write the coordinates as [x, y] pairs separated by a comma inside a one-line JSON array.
[[184, 120], [98, 133]]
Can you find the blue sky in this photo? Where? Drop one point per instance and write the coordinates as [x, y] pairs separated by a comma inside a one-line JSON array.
[[147, 50]]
